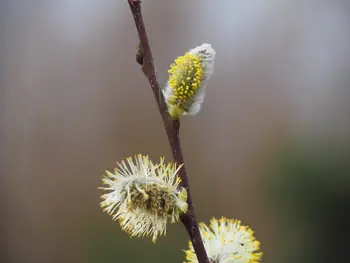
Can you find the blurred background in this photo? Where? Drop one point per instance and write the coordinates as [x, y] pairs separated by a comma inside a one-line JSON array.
[[270, 146]]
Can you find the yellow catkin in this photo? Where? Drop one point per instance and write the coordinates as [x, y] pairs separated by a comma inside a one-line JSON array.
[[184, 78]]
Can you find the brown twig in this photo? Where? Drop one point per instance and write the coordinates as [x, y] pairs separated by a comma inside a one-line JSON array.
[[145, 59]]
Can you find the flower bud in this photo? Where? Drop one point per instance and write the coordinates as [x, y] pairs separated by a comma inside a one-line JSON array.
[[188, 78]]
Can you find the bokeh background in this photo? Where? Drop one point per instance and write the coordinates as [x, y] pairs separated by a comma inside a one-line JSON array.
[[270, 146]]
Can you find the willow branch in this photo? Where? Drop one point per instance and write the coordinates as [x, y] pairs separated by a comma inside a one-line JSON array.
[[145, 59]]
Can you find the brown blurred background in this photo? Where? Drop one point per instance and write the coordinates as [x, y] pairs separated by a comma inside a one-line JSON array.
[[270, 146]]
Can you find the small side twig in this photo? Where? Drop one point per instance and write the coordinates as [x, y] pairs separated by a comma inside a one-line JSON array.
[[145, 59]]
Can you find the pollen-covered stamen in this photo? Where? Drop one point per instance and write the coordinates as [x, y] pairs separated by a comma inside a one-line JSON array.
[[143, 196], [184, 78], [225, 241]]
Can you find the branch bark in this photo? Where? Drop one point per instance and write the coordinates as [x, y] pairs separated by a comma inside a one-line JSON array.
[[172, 127]]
